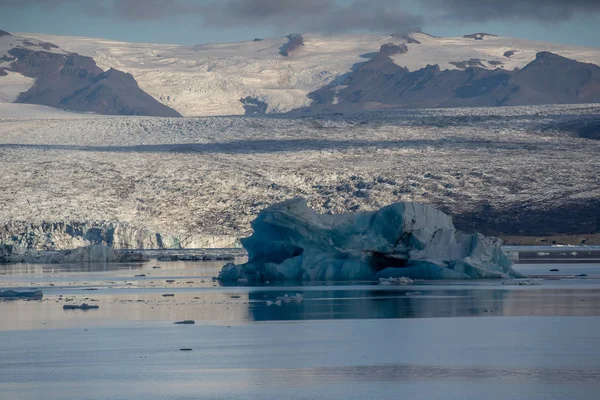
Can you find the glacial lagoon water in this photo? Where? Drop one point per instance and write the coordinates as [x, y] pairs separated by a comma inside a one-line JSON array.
[[429, 340]]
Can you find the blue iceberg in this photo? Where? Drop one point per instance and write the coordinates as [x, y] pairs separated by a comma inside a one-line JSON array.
[[291, 242]]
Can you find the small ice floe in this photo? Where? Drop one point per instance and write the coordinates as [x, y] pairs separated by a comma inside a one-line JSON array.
[[270, 303], [13, 294], [543, 253], [521, 282], [84, 306], [402, 280], [413, 293], [288, 299], [242, 280]]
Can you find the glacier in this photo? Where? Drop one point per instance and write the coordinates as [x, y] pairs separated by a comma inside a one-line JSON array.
[[292, 242]]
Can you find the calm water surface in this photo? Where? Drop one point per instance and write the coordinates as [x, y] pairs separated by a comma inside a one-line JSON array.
[[430, 340]]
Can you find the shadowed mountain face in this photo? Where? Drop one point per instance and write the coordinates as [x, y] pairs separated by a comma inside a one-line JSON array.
[[4, 33], [75, 82], [382, 84], [553, 79]]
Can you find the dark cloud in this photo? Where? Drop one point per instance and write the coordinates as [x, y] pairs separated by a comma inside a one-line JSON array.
[[485, 10], [383, 16], [313, 15], [279, 15], [330, 16], [265, 9]]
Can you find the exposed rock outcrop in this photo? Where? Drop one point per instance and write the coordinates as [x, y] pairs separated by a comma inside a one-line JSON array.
[[254, 106], [75, 82], [296, 40], [382, 84], [390, 49], [473, 62]]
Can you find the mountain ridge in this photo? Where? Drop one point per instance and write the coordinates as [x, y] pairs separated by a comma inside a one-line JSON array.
[[74, 82], [382, 84], [255, 77]]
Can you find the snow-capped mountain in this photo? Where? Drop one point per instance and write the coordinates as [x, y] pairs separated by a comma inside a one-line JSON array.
[[381, 84], [37, 72], [316, 72]]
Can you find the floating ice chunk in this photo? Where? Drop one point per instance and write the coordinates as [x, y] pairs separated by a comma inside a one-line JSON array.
[[292, 242], [287, 298], [13, 294], [521, 282], [84, 307], [402, 280]]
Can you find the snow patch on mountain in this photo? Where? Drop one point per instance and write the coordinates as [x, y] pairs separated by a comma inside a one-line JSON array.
[[12, 84]]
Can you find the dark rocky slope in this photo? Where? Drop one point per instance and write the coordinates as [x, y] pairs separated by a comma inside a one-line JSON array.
[[75, 82], [382, 84]]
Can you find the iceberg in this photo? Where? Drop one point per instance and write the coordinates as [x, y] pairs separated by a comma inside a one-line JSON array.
[[292, 242]]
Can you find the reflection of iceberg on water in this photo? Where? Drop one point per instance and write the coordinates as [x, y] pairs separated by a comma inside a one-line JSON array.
[[293, 242]]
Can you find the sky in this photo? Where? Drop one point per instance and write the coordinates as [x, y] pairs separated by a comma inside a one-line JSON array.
[[574, 22]]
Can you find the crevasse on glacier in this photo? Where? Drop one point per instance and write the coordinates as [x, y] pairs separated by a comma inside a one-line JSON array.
[[292, 242]]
